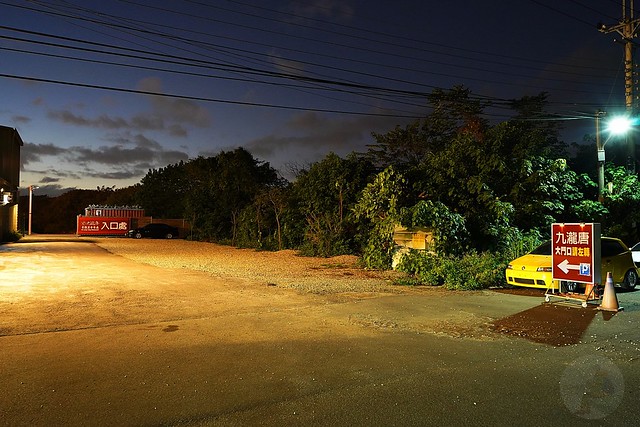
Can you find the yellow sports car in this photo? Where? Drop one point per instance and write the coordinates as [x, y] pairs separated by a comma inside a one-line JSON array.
[[534, 269]]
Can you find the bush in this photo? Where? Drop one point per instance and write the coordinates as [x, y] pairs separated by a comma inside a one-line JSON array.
[[324, 245], [468, 272], [474, 271], [425, 267]]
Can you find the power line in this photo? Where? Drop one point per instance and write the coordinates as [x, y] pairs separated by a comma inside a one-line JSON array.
[[264, 73], [204, 99], [342, 45], [368, 31], [432, 73]]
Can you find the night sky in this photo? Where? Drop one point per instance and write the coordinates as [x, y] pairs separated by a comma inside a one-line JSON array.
[[102, 91]]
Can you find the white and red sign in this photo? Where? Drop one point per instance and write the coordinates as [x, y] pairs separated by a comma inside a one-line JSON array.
[[575, 252], [102, 226]]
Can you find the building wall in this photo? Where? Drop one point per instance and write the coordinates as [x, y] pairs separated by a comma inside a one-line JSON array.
[[10, 143], [8, 221]]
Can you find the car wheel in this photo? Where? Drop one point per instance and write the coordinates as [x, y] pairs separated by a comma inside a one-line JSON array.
[[169, 236], [630, 279], [138, 235]]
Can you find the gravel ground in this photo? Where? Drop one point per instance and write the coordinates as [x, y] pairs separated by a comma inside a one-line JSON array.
[[284, 268]]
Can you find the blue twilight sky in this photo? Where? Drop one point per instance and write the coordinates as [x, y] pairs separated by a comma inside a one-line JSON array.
[[102, 91]]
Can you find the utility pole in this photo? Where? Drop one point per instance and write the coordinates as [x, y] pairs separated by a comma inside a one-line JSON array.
[[31, 188], [628, 29], [601, 157]]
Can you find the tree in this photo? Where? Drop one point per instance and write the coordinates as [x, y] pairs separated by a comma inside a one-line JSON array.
[[277, 200], [261, 222], [622, 204], [452, 111], [220, 187], [162, 191], [495, 176], [321, 200], [126, 196], [378, 204], [449, 229]]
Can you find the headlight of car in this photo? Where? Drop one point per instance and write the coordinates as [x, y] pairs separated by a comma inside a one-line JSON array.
[[544, 269]]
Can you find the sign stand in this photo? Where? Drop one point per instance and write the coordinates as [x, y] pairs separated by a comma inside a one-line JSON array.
[[575, 259], [591, 295]]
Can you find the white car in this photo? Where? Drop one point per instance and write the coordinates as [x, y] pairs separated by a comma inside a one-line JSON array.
[[635, 253]]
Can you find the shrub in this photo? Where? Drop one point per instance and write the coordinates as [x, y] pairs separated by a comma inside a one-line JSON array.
[[474, 271], [425, 267], [468, 272]]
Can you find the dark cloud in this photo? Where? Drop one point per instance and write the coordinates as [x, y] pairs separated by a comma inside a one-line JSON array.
[[119, 154], [52, 174], [171, 156], [182, 111], [126, 150], [54, 190], [269, 146], [48, 179], [116, 175], [142, 141], [31, 153], [139, 122], [168, 115], [138, 140], [177, 130], [109, 155], [21, 119], [128, 157], [175, 111], [51, 190], [147, 122], [68, 117], [312, 135]]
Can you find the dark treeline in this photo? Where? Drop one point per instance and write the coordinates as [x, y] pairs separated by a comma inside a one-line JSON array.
[[481, 186]]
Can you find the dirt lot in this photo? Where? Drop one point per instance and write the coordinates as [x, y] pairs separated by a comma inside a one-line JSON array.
[[143, 332], [215, 277], [284, 268]]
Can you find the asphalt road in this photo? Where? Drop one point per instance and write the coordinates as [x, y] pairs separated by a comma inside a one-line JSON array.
[[90, 338]]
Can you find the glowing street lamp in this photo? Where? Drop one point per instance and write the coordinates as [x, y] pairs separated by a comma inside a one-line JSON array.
[[619, 125]]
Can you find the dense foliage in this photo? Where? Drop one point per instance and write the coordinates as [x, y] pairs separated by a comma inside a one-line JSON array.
[[320, 216], [489, 191], [212, 193]]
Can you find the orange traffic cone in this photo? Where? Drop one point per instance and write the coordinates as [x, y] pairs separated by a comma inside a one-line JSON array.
[[609, 298]]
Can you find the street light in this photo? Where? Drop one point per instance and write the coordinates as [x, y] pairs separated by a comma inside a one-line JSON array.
[[31, 188], [616, 126], [619, 125]]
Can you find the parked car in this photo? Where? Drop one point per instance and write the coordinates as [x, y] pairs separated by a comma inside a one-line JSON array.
[[635, 252], [534, 269], [155, 230]]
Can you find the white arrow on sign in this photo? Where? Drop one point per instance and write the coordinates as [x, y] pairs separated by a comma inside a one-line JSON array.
[[565, 266]]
